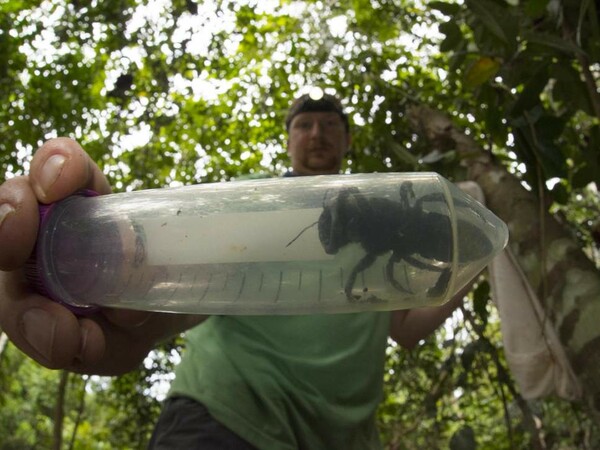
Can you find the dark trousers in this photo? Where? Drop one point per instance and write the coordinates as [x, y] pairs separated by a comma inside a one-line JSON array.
[[186, 424]]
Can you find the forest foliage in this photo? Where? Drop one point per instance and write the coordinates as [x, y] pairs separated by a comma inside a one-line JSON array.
[[169, 93]]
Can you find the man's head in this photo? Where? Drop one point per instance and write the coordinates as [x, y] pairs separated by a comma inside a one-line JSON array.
[[318, 135]]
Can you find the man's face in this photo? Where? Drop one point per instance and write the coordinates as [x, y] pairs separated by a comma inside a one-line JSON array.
[[317, 143]]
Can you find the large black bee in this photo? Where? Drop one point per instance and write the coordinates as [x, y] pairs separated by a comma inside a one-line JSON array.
[[405, 228]]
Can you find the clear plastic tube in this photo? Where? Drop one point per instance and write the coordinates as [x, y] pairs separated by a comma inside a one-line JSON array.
[[293, 245]]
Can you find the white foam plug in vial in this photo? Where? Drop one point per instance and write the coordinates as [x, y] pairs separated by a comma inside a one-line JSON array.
[[296, 245]]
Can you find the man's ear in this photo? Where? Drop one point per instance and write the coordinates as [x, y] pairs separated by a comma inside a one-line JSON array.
[[349, 144]]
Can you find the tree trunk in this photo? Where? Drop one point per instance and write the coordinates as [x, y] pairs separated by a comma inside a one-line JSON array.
[[59, 410], [564, 278], [3, 343], [80, 411]]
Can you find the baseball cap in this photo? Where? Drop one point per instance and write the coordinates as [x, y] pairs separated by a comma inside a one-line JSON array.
[[325, 103]]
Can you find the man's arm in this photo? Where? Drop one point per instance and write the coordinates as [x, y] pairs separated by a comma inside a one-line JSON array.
[[410, 326], [110, 342]]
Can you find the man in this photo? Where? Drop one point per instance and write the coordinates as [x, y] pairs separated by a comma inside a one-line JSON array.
[[319, 135], [244, 382]]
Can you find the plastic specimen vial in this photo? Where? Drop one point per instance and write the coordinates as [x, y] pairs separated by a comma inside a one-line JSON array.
[[296, 245]]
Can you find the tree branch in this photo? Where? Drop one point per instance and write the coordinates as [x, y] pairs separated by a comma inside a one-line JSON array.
[[569, 287]]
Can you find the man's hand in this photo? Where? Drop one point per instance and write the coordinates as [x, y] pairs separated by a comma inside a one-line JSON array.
[[109, 342]]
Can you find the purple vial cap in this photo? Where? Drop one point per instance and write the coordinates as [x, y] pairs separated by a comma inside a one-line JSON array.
[[33, 270]]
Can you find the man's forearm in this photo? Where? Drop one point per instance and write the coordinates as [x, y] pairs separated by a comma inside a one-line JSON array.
[[409, 327]]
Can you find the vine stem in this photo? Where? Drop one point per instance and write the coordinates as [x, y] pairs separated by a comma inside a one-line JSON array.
[[503, 376], [583, 60], [541, 212]]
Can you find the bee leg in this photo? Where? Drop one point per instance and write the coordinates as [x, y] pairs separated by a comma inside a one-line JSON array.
[[407, 195], [389, 273], [363, 264], [441, 285]]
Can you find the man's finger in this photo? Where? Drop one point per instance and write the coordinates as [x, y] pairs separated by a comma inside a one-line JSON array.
[[18, 222], [61, 167]]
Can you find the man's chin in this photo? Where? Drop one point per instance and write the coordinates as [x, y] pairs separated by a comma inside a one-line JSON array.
[[323, 167]]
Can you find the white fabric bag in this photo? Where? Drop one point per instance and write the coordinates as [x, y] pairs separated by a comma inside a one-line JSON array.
[[534, 354]]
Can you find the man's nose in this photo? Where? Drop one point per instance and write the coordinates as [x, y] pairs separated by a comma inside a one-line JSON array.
[[317, 129]]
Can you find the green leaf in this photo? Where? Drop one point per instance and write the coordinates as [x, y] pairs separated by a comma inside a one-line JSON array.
[[468, 355], [542, 140], [535, 137], [481, 297], [552, 42], [589, 169], [493, 114], [481, 71], [448, 9], [535, 8], [463, 439], [404, 155], [570, 88], [560, 194], [453, 34], [483, 11], [589, 173], [530, 95]]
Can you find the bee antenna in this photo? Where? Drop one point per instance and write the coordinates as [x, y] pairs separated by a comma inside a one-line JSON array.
[[300, 234]]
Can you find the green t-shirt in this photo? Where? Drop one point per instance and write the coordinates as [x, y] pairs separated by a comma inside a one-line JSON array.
[[290, 382]]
